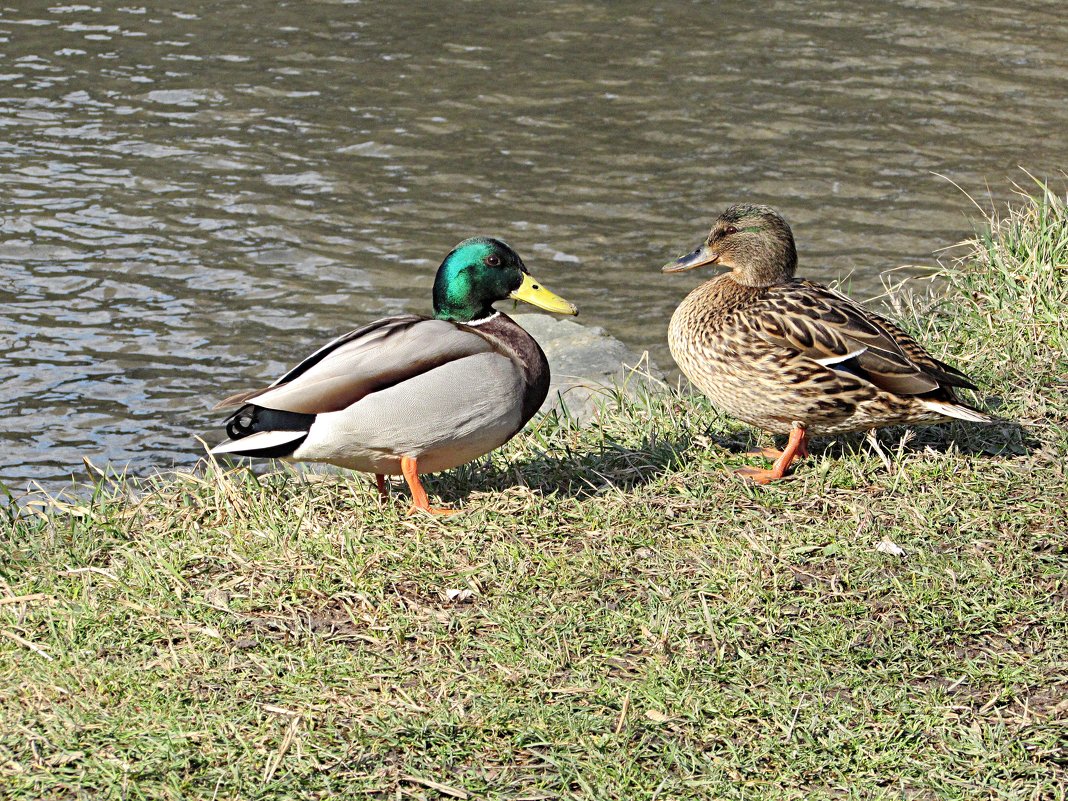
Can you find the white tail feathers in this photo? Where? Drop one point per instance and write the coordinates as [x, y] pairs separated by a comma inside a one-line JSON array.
[[260, 441], [957, 411]]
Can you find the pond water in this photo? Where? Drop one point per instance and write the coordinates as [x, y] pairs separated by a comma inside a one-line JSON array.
[[197, 194]]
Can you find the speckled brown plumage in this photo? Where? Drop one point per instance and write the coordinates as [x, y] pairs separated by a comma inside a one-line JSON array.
[[781, 353]]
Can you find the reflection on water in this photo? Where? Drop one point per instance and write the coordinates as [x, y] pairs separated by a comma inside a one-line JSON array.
[[195, 196]]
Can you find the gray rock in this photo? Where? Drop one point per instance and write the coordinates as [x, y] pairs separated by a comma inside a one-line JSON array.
[[588, 365]]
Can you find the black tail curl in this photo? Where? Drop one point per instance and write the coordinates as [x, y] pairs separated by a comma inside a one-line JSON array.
[[252, 419]]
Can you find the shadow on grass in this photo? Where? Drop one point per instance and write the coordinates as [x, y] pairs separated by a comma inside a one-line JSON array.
[[587, 472], [571, 473], [1003, 438]]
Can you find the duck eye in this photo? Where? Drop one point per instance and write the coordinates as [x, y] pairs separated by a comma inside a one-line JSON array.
[[730, 229], [493, 260]]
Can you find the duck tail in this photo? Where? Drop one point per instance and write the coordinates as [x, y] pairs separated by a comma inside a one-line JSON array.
[[264, 444], [266, 433], [958, 410]]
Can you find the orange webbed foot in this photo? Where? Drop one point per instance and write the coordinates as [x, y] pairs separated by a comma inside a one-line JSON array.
[[436, 511], [757, 475], [795, 448]]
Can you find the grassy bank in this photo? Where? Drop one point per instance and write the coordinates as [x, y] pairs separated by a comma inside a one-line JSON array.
[[614, 616]]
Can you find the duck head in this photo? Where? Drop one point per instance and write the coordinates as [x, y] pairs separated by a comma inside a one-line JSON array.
[[481, 271], [754, 242]]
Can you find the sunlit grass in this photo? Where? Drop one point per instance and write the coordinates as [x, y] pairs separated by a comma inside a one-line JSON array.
[[614, 616]]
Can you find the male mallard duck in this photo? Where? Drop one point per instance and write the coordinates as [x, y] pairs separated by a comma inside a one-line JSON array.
[[789, 355], [409, 394]]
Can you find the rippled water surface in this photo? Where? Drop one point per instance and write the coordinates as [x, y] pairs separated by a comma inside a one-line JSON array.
[[195, 195]]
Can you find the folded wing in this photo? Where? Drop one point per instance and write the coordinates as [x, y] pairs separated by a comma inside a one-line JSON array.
[[366, 360], [827, 327]]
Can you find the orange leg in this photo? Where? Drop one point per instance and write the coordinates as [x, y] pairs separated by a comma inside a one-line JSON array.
[[383, 493], [796, 448], [410, 469]]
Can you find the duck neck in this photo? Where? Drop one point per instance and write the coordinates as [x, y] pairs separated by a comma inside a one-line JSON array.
[[775, 262], [483, 320], [461, 312]]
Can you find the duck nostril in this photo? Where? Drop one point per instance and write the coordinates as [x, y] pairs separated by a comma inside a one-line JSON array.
[[536, 286]]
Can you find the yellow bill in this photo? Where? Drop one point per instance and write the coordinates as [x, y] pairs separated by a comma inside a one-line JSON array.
[[534, 293]]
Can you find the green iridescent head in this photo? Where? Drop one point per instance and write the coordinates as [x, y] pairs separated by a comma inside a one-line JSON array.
[[479, 272]]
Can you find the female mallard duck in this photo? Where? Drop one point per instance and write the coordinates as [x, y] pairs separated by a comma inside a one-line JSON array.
[[789, 355], [408, 394]]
